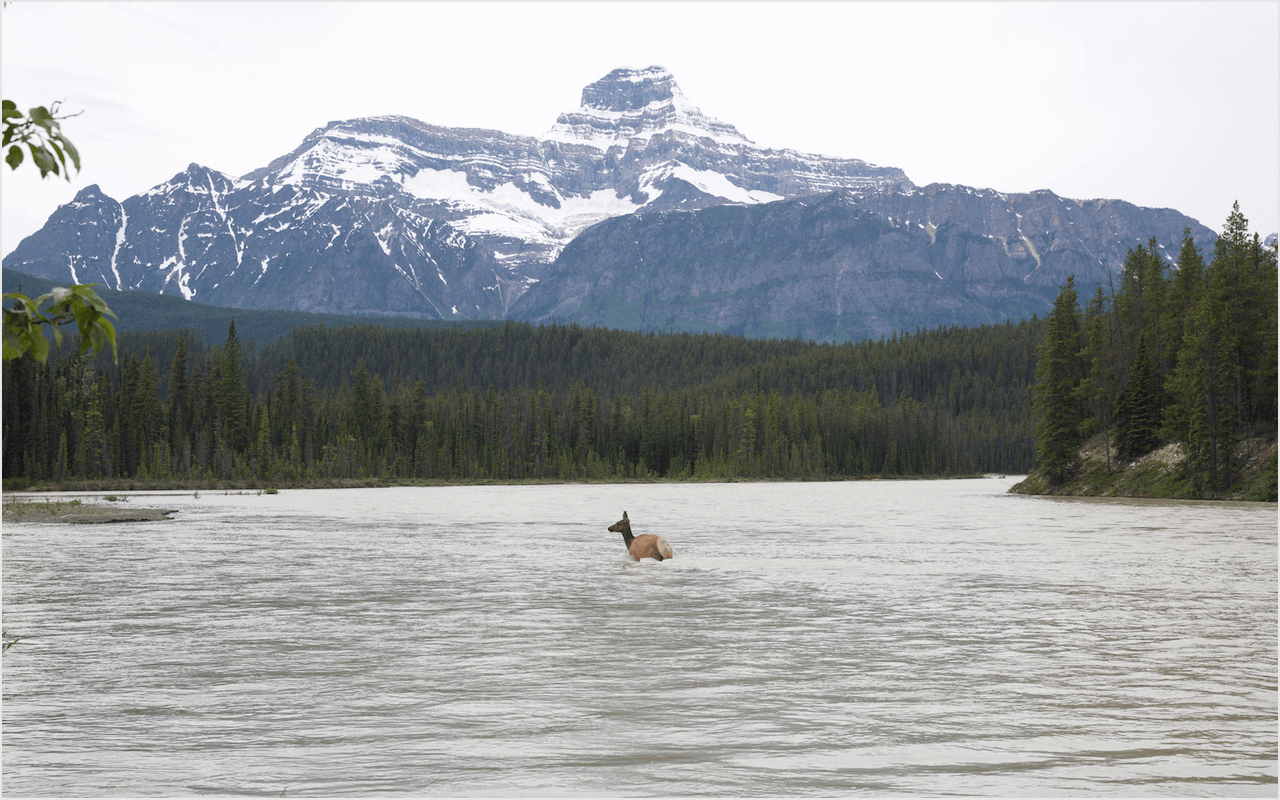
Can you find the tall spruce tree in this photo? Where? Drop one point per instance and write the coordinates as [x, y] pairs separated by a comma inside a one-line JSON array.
[[1204, 383], [1139, 432], [1058, 407], [1209, 380], [232, 394], [1266, 388], [1097, 389], [179, 408], [1187, 283], [147, 414]]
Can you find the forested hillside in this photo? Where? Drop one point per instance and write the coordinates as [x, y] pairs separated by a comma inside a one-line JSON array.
[[1182, 354], [517, 402], [144, 311]]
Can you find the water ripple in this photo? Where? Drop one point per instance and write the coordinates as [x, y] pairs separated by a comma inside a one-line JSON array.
[[808, 639]]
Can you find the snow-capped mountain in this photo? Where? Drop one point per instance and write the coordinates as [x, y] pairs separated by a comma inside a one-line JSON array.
[[393, 215], [691, 225]]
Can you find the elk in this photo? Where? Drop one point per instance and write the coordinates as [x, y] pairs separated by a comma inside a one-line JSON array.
[[643, 546]]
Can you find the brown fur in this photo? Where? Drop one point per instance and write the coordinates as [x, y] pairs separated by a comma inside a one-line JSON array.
[[644, 546]]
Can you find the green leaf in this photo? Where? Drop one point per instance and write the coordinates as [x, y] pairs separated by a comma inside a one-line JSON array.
[[14, 158], [103, 326], [41, 116], [84, 317], [12, 343], [37, 345], [71, 151], [44, 160], [23, 313], [97, 337], [89, 297]]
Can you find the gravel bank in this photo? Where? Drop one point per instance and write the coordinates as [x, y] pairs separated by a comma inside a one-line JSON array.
[[81, 514]]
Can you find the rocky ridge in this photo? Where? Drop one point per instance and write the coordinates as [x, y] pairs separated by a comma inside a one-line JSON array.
[[390, 215], [845, 265]]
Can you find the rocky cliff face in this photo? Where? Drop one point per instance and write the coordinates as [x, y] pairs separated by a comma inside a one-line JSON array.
[[390, 215], [632, 104], [846, 265]]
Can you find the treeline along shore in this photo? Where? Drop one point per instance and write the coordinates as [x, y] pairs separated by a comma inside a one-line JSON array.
[[1178, 358], [512, 402], [1166, 385]]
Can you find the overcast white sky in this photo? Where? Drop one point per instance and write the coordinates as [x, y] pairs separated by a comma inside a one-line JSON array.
[[1161, 104]]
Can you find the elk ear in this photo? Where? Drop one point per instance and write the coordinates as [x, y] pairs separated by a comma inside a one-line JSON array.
[[624, 515]]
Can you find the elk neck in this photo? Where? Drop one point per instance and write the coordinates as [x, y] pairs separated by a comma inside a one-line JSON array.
[[624, 527]]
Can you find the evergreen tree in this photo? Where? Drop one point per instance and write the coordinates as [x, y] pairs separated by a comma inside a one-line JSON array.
[[147, 414], [1201, 417], [93, 453], [1057, 397], [1187, 283], [1098, 388], [1264, 376], [1209, 377], [1139, 431], [231, 400], [179, 408]]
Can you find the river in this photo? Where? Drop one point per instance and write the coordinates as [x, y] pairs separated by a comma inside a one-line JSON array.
[[896, 637]]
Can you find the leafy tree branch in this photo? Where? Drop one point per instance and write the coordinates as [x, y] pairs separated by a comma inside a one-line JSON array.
[[65, 304], [40, 131]]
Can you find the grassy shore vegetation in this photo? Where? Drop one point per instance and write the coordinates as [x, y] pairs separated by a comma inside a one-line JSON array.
[[115, 509], [1179, 361], [15, 508], [363, 406]]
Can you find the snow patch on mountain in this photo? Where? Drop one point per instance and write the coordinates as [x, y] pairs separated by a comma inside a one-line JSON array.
[[347, 161], [704, 180], [383, 236], [175, 270], [120, 239], [512, 212]]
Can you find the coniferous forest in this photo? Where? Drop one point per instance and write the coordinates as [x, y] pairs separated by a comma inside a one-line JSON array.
[[1180, 351], [513, 402]]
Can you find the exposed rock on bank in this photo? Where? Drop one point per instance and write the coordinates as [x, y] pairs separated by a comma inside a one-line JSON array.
[[1161, 473]]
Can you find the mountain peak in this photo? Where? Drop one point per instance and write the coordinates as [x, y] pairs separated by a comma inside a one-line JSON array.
[[627, 89], [631, 104], [91, 192]]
